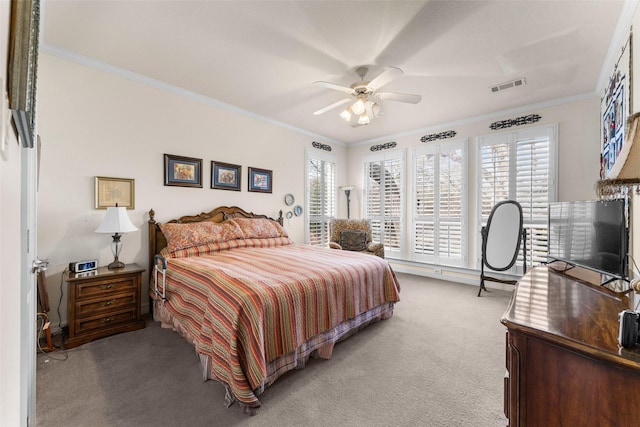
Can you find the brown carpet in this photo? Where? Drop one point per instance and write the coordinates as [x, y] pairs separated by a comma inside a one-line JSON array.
[[439, 361]]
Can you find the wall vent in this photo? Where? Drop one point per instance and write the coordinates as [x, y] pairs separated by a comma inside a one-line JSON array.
[[508, 85]]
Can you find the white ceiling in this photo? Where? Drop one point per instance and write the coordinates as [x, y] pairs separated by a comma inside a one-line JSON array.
[[263, 56]]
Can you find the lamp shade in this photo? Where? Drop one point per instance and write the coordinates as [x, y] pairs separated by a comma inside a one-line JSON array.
[[116, 221]]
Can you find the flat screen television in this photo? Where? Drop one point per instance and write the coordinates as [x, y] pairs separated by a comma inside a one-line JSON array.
[[592, 234]]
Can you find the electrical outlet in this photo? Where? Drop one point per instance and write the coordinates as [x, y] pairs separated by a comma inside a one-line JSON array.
[[437, 270]]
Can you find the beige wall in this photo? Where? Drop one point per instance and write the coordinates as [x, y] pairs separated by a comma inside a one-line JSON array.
[[97, 123], [94, 123], [578, 158]]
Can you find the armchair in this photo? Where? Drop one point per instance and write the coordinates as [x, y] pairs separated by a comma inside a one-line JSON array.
[[354, 235]]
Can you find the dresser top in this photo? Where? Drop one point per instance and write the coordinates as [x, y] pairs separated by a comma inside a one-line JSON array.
[[571, 312]]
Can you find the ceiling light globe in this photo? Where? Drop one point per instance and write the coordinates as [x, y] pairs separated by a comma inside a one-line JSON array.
[[346, 115], [363, 120], [358, 107], [376, 110]]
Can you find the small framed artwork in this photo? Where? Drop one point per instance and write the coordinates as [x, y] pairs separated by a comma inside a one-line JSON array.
[[115, 191], [182, 171], [225, 176], [260, 180]]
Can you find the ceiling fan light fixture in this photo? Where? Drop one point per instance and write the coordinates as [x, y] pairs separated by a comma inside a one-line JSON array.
[[346, 115], [358, 107], [376, 110], [363, 120]]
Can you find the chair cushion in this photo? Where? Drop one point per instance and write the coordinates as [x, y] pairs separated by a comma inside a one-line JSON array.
[[353, 240]]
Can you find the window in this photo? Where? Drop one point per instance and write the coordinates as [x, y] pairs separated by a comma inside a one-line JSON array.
[[383, 199], [321, 198], [520, 166], [439, 205]]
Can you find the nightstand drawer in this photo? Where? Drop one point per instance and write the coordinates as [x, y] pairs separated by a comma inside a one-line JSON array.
[[104, 321], [112, 303], [105, 287]]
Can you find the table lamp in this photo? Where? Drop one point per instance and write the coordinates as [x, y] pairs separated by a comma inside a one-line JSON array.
[[116, 221]]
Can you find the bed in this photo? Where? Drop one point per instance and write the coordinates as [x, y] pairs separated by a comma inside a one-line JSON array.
[[253, 303]]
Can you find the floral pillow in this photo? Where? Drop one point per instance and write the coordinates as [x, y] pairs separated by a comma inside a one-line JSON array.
[[181, 236], [259, 228]]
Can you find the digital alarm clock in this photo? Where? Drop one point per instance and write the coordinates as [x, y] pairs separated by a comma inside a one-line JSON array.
[[82, 266]]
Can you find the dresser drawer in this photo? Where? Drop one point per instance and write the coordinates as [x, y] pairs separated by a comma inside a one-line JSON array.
[[104, 305], [105, 287], [104, 321]]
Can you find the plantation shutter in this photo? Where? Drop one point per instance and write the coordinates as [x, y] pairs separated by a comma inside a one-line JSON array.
[[439, 182], [383, 200], [521, 166], [321, 200]]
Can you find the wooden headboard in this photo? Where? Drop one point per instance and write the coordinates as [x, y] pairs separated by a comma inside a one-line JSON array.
[[157, 241]]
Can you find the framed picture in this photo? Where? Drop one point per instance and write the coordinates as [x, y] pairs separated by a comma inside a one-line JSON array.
[[182, 171], [260, 180], [115, 191], [23, 63], [615, 108], [225, 176]]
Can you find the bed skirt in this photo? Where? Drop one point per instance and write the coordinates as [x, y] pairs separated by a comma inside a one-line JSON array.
[[320, 346]]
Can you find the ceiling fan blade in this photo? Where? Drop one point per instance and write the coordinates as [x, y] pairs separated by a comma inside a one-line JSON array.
[[334, 86], [389, 73], [400, 97], [332, 106]]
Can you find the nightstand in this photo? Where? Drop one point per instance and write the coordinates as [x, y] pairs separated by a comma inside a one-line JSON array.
[[103, 302]]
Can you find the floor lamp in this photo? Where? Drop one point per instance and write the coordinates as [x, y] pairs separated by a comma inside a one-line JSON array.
[[347, 191]]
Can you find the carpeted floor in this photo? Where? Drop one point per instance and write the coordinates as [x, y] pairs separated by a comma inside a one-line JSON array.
[[439, 361]]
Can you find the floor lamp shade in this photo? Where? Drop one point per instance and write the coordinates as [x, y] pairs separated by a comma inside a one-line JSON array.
[[116, 221]]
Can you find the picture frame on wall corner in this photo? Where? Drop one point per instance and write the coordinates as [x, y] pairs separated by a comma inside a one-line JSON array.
[[225, 176], [180, 171], [260, 180], [22, 67], [115, 191]]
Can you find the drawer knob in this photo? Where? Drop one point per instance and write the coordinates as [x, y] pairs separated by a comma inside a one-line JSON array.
[[107, 319], [108, 286], [108, 303]]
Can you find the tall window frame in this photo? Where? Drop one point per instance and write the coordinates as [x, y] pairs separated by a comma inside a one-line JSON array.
[[520, 165], [321, 196], [384, 199], [439, 224]]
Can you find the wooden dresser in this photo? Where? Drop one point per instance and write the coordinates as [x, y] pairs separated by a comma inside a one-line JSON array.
[[103, 302], [564, 365]]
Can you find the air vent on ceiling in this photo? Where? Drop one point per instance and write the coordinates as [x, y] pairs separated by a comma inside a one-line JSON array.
[[508, 85]]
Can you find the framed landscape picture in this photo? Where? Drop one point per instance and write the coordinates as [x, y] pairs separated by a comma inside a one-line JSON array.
[[225, 176], [182, 171], [260, 180]]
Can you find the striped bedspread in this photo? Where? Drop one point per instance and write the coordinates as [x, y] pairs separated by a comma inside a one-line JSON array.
[[243, 307]]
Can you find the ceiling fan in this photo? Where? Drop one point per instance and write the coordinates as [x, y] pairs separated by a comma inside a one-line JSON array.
[[365, 96]]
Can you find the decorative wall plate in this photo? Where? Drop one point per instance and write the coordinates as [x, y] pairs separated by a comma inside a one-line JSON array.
[[289, 199], [297, 210], [289, 215]]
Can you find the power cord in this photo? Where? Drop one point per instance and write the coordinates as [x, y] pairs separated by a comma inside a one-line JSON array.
[[60, 300], [46, 324]]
